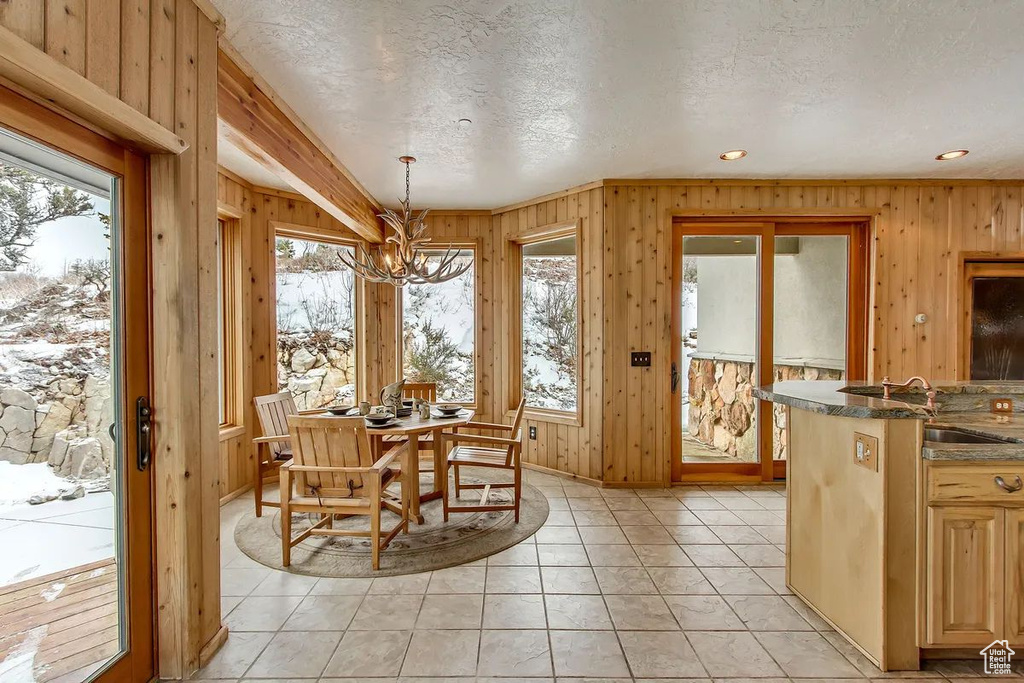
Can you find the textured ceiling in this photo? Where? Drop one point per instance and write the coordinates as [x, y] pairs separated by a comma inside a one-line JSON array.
[[563, 92]]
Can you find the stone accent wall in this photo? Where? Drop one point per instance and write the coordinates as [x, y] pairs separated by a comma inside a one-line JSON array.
[[315, 368], [722, 404]]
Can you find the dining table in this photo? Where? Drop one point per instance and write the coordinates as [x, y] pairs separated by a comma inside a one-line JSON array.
[[412, 428]]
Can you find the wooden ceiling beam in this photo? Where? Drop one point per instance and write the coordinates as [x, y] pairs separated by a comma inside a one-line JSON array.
[[252, 120]]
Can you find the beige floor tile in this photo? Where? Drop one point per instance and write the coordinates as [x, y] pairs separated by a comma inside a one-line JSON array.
[[514, 653], [587, 504], [560, 518], [593, 518], [558, 503], [803, 655], [647, 535], [259, 613], [513, 580], [694, 534], [587, 654], [515, 611], [524, 554], [738, 534], [624, 581], [391, 613], [664, 503], [323, 613], [705, 502], [760, 517], [662, 556], [635, 518], [617, 493], [680, 581], [577, 580], [450, 612], [283, 583], [736, 581], [772, 534], [732, 654], [740, 503], [720, 517], [557, 534], [577, 612], [457, 580], [703, 613], [809, 615], [677, 517], [712, 556], [328, 586], [640, 613], [612, 556], [598, 535], [767, 613], [760, 555], [228, 603], [233, 659], [774, 577], [408, 584], [296, 654], [241, 581], [624, 503], [442, 653], [556, 555], [369, 653], [775, 504], [660, 655], [577, 490]]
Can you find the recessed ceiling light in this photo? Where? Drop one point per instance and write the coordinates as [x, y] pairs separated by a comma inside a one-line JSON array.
[[465, 122], [733, 155], [952, 154]]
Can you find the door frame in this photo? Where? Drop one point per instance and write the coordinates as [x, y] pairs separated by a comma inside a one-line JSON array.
[[49, 128], [989, 262], [766, 226]]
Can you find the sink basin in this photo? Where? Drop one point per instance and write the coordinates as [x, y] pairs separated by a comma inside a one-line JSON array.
[[953, 435]]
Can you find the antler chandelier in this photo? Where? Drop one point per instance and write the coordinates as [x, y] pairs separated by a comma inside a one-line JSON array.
[[408, 264]]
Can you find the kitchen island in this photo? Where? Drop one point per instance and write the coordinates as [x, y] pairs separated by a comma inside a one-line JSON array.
[[905, 522]]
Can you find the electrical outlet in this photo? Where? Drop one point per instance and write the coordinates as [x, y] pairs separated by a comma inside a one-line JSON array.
[[1002, 405], [533, 432], [865, 451], [640, 359]]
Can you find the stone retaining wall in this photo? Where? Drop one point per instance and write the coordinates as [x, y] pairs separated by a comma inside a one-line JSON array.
[[722, 404]]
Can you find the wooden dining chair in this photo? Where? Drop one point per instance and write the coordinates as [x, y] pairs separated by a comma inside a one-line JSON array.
[[426, 391], [333, 472], [273, 448], [495, 452]]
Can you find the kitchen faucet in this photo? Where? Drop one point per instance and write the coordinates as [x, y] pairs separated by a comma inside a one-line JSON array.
[[888, 385]]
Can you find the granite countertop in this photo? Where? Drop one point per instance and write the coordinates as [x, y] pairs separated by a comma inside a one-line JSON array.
[[963, 403]]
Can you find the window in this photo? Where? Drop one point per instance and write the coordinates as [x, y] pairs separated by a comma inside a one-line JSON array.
[[223, 351], [438, 332], [550, 320], [229, 322], [316, 356]]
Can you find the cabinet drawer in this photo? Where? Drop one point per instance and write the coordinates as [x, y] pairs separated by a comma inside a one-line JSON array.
[[977, 483]]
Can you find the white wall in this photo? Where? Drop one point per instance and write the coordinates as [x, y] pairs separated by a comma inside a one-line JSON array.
[[810, 303]]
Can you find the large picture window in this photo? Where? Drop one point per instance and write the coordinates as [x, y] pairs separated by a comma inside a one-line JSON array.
[[316, 332], [438, 333], [550, 321]]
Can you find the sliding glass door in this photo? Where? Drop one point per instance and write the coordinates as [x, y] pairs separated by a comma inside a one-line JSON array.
[[755, 303]]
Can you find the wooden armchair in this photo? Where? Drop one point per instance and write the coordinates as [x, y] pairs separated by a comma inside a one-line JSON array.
[[332, 472], [274, 448], [498, 452]]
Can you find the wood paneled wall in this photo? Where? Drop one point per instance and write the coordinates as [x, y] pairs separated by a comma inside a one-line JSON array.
[[260, 211], [160, 57]]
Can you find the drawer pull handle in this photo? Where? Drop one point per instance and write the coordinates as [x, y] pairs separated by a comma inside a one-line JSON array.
[[1010, 488]]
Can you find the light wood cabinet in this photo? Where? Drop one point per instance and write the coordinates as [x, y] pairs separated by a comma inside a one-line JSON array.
[[1014, 580], [973, 555], [965, 575]]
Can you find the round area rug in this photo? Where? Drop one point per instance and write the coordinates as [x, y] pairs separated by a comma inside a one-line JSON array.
[[468, 536]]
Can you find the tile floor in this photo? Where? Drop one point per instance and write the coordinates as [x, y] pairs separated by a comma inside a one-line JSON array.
[[683, 583]]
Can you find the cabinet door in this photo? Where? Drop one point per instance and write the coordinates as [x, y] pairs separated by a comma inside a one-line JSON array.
[[965, 575], [1014, 597]]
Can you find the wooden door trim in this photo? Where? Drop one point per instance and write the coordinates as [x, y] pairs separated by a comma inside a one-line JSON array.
[[984, 261], [857, 228], [25, 117]]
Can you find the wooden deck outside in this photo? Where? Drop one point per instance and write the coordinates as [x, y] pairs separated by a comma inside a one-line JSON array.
[[60, 627]]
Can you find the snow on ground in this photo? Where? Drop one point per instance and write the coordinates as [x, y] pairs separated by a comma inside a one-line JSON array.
[[18, 483]]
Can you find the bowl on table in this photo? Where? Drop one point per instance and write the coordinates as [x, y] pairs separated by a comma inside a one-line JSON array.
[[448, 409], [340, 410]]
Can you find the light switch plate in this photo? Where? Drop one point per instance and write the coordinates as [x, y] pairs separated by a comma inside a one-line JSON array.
[[865, 451], [1002, 405]]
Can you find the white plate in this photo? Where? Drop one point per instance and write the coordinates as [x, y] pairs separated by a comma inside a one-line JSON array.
[[380, 425]]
